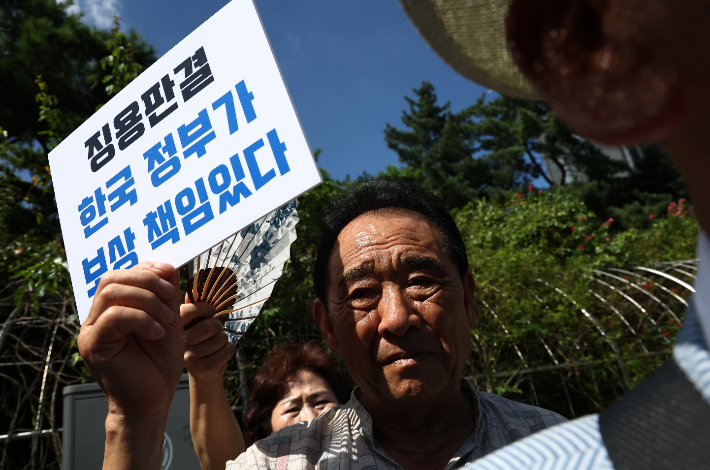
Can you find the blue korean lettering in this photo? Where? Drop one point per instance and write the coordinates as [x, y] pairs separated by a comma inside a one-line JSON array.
[[194, 81], [162, 226], [279, 150], [100, 154], [165, 169], [153, 99], [185, 202], [256, 176], [88, 211], [120, 257], [227, 100], [93, 270], [239, 189], [189, 133], [219, 173], [237, 167], [129, 125], [245, 99], [121, 194]]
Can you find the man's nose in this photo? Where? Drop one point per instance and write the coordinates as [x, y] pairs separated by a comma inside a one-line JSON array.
[[396, 313]]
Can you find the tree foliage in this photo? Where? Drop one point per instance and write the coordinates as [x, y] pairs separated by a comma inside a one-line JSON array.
[[501, 144], [39, 37], [549, 293], [52, 63]]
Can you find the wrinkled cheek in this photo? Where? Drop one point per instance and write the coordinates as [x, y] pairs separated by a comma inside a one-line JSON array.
[[448, 324], [366, 326], [355, 333]]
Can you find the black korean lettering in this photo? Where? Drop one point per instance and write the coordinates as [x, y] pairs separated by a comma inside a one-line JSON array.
[[153, 99], [98, 154], [129, 126], [197, 74]]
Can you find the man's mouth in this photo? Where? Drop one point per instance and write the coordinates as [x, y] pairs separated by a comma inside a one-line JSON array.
[[405, 358]]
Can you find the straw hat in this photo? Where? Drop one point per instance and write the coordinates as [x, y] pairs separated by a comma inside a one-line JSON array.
[[470, 36]]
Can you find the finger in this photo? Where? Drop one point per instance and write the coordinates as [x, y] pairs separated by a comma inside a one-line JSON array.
[[189, 312], [142, 279], [207, 347], [214, 362], [144, 275], [121, 295], [164, 270], [202, 332], [148, 276], [175, 300], [114, 325]]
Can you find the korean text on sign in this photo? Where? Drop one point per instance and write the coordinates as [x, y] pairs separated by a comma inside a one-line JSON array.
[[200, 145]]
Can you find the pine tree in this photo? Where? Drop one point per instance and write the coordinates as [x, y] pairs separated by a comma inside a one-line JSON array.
[[39, 37], [502, 144], [437, 146]]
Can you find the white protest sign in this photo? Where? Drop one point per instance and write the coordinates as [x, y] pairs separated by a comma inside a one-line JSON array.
[[201, 144]]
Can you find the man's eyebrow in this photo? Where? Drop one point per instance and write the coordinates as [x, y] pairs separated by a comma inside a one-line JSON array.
[[425, 262], [355, 274]]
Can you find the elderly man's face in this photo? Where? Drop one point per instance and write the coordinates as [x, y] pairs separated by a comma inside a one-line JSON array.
[[399, 313]]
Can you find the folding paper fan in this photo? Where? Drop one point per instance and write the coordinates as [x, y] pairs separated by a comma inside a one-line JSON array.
[[238, 275]]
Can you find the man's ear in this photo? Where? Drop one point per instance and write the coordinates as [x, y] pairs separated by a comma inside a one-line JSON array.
[[469, 289], [604, 66], [322, 319]]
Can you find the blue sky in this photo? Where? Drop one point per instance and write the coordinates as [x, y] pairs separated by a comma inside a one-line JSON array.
[[348, 65]]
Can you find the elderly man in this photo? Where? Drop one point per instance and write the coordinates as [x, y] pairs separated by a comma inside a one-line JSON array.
[[395, 299], [621, 72]]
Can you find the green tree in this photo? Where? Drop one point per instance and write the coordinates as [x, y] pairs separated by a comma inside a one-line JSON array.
[[437, 145], [557, 324], [643, 193], [488, 148], [39, 37], [502, 144], [511, 129], [51, 63]]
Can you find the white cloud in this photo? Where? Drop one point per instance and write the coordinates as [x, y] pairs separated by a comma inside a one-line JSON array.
[[96, 12], [72, 9]]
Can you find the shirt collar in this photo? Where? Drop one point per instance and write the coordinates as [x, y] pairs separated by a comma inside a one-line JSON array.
[[701, 298], [362, 420], [359, 417]]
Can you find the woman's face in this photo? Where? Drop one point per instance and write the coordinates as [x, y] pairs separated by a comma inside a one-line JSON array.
[[308, 396]]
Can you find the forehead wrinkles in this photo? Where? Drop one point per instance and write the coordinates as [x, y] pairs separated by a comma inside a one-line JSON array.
[[383, 237]]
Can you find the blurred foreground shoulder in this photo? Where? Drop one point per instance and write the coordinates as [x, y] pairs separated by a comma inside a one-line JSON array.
[[575, 445]]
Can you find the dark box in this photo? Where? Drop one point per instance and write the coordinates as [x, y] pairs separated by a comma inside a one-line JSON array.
[[85, 409]]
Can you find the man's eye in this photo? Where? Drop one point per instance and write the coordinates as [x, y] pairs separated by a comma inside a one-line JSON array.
[[293, 410], [422, 282], [362, 294]]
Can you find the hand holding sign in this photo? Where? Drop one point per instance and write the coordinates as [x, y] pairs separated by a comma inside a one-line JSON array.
[[161, 175], [203, 143], [132, 343]]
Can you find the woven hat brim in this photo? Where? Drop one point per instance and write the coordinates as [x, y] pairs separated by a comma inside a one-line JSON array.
[[469, 35]]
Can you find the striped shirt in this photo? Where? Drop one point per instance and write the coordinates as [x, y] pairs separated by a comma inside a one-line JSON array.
[[342, 437]]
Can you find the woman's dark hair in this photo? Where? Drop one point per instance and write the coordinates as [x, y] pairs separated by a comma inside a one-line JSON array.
[[271, 382], [374, 194]]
